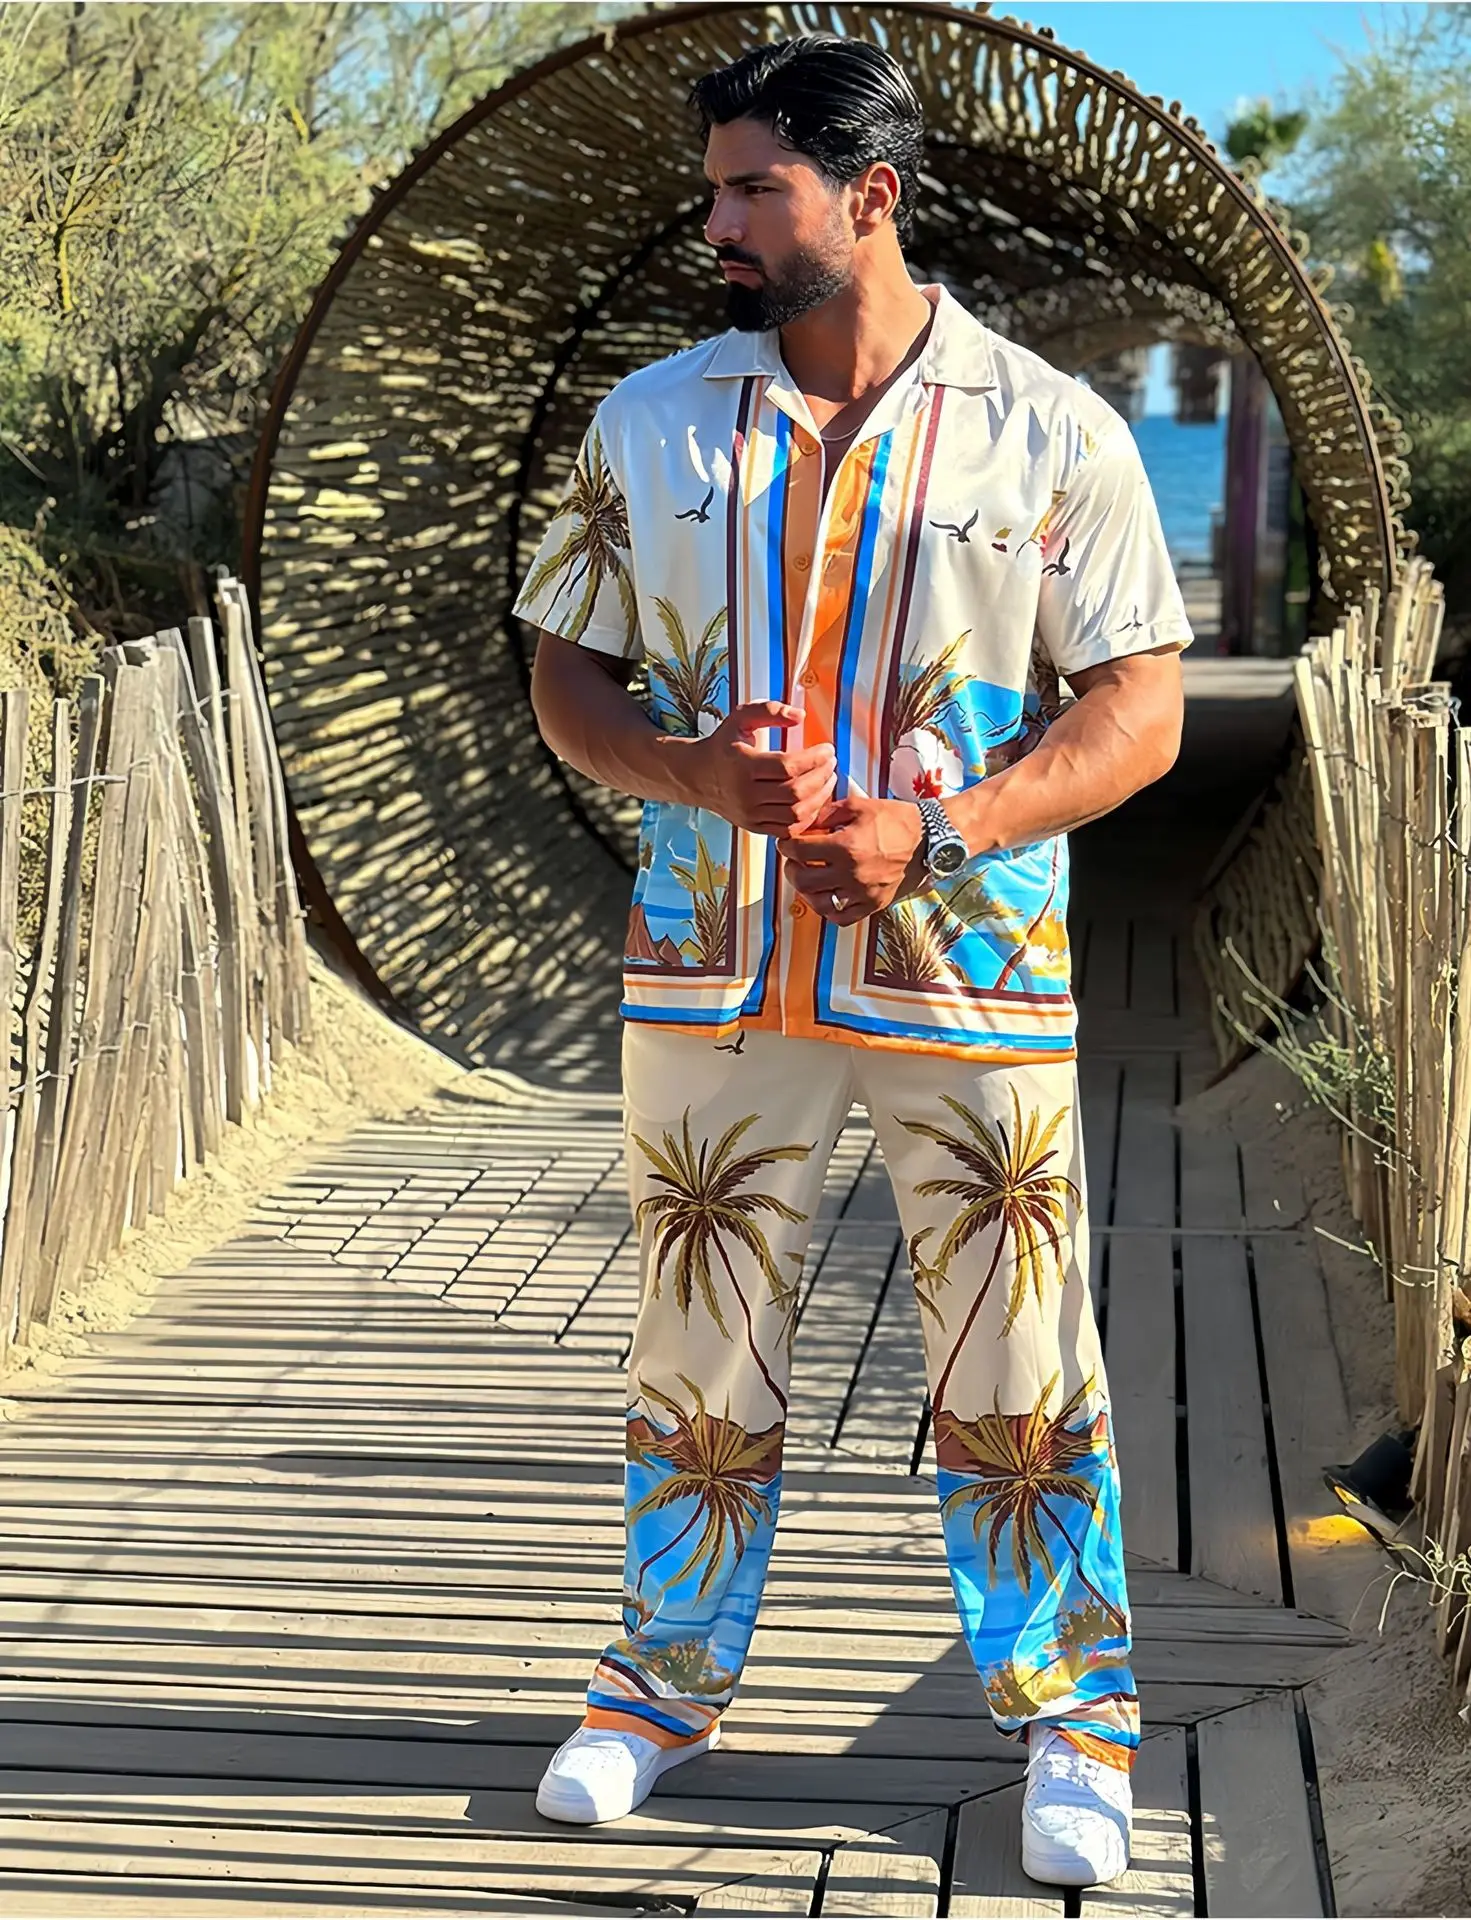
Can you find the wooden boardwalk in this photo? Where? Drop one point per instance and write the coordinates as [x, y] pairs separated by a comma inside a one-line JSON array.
[[303, 1573]]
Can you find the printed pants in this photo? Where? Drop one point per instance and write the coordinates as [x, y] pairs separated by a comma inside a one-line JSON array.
[[727, 1156]]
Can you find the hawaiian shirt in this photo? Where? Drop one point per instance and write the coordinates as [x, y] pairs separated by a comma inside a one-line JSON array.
[[989, 529]]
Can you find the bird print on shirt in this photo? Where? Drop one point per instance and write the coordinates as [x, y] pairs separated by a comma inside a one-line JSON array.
[[959, 533], [701, 513]]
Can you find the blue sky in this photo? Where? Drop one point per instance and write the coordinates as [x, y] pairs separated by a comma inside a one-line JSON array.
[[1212, 56]]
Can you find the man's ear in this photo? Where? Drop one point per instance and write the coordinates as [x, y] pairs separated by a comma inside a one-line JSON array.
[[877, 193]]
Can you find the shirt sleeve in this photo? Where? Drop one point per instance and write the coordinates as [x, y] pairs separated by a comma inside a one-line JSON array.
[[580, 585], [1108, 588]]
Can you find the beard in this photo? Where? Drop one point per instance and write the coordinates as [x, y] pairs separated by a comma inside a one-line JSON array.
[[803, 282]]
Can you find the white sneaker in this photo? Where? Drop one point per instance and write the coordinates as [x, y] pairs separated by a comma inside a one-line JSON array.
[[1075, 1819], [600, 1774]]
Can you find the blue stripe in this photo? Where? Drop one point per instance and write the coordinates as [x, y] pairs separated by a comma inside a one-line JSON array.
[[1043, 1045], [848, 674], [776, 676], [674, 1015]]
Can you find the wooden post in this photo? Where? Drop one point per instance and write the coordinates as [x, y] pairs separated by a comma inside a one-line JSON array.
[[14, 713]]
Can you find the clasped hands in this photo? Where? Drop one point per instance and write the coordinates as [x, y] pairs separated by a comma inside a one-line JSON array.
[[848, 859]]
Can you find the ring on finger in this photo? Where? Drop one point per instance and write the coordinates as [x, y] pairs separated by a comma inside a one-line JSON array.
[[839, 903]]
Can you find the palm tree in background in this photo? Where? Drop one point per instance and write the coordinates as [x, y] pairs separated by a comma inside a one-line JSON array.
[[692, 675], [1005, 1183], [924, 693], [708, 885], [726, 1471], [1016, 1468], [705, 1206], [594, 541]]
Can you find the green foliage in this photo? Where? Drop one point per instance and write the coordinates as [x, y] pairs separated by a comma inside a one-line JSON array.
[[1264, 135], [1383, 186], [174, 182]]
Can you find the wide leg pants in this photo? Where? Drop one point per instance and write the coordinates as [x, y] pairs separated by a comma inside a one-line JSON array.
[[727, 1155]]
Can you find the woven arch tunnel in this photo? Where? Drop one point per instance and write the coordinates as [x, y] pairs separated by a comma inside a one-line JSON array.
[[542, 248]]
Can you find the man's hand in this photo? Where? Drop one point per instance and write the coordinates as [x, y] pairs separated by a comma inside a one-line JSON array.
[[867, 852], [772, 793]]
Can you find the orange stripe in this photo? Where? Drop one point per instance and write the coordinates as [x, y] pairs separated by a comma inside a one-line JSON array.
[[614, 1722], [846, 499]]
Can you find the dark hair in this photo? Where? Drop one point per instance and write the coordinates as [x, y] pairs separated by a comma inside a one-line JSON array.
[[845, 104]]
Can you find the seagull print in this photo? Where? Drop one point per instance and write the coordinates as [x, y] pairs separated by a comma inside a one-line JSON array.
[[740, 1044], [700, 513], [962, 534], [1059, 566]]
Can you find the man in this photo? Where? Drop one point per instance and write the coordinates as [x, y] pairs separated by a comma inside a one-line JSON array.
[[855, 541]]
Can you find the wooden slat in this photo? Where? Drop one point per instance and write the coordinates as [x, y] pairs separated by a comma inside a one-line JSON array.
[[1141, 1382], [1233, 1525], [1210, 1180], [987, 1881], [1259, 1853], [1333, 1560], [1145, 1190], [1161, 1877], [146, 1897], [1106, 976], [1152, 968], [893, 1874], [786, 1886]]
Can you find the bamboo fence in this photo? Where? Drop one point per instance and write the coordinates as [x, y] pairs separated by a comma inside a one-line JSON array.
[[161, 964], [1391, 785]]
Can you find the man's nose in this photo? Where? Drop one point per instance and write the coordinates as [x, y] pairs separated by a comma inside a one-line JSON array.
[[723, 227]]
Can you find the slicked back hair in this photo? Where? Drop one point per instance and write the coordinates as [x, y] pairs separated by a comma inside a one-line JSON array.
[[845, 105]]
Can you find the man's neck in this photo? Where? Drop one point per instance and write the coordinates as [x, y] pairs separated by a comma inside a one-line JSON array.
[[856, 341]]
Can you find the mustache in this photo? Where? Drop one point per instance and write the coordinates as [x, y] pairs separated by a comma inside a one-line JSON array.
[[737, 257]]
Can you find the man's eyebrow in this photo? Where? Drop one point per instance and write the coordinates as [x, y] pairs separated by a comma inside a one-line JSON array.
[[744, 179]]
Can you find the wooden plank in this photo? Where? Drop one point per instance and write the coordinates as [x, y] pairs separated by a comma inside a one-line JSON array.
[[1333, 1561], [834, 1327], [1233, 1523], [22, 1225], [1141, 1382], [467, 1863], [787, 1886], [895, 1874], [1152, 968], [1260, 1858], [1210, 1180], [66, 1895], [1144, 1193], [987, 1882], [1273, 1188], [1161, 1877], [40, 1276], [887, 1401], [1106, 974]]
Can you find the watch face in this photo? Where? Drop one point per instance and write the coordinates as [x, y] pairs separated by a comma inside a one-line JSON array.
[[950, 857]]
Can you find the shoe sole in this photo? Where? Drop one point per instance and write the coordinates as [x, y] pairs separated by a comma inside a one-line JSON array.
[[1063, 1869], [547, 1792]]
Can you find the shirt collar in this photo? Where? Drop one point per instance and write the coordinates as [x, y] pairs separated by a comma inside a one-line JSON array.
[[958, 352]]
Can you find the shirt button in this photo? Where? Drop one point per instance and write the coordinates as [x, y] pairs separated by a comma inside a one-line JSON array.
[[802, 562], [798, 909], [809, 678]]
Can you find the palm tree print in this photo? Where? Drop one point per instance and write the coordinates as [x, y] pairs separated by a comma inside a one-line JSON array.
[[1015, 1469], [1040, 931], [594, 545], [708, 886], [705, 1205], [1005, 1184], [914, 943], [723, 1469], [926, 691], [928, 1278], [691, 674], [689, 1667]]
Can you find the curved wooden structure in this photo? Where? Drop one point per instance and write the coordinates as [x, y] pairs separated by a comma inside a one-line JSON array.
[[543, 247]]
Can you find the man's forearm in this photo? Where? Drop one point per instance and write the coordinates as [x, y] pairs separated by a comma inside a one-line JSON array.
[[591, 721], [1114, 740]]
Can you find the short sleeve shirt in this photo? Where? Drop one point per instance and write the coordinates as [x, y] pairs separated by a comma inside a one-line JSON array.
[[989, 529]]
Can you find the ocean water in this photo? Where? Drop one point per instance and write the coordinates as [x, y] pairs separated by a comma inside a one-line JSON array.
[[1186, 468]]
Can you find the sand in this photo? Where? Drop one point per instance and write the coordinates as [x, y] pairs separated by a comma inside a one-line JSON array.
[[1394, 1753], [361, 1067]]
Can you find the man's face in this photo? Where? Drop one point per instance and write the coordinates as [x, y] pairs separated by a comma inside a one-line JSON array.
[[778, 227]]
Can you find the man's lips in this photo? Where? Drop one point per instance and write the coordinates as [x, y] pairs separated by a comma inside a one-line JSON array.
[[733, 270]]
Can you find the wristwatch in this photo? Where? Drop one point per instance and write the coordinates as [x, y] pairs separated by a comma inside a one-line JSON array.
[[944, 849]]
